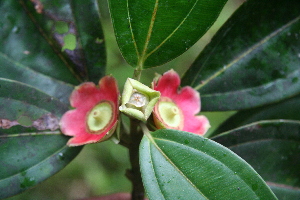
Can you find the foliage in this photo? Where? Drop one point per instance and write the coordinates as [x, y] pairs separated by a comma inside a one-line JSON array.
[[251, 66]]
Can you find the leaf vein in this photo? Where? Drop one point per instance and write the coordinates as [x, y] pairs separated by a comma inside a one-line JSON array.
[[24, 67], [131, 31], [251, 89], [144, 55], [33, 166], [207, 155], [161, 191], [50, 42], [174, 31], [31, 134], [152, 139], [247, 52]]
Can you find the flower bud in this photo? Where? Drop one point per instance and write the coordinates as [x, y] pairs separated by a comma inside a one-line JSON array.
[[138, 100]]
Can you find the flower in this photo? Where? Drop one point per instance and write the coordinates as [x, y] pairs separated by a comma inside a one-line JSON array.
[[95, 116], [138, 100], [177, 108]]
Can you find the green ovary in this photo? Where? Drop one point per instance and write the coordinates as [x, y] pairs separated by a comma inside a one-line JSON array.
[[99, 117], [170, 114]]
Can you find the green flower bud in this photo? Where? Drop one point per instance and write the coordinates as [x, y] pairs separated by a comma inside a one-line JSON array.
[[138, 100]]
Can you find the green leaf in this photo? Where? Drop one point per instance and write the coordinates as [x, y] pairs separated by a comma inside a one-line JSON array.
[[26, 56], [253, 60], [288, 109], [26, 98], [181, 165], [15, 70], [31, 147], [28, 160], [90, 37], [24, 41], [31, 45], [272, 148], [152, 32], [86, 56]]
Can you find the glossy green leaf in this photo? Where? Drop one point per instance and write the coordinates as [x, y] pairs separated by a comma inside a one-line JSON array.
[[181, 165], [90, 37], [152, 32], [288, 109], [31, 46], [87, 56], [253, 60], [17, 71], [272, 148], [25, 55], [30, 152]]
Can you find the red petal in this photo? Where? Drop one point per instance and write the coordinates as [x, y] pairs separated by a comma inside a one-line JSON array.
[[188, 100], [88, 94], [109, 89], [168, 84], [85, 139], [73, 122], [84, 94], [196, 124]]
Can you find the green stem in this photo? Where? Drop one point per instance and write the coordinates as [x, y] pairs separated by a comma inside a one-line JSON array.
[[138, 71], [134, 175], [137, 74]]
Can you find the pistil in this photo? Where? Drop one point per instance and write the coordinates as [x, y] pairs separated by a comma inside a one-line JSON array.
[[99, 117], [171, 116]]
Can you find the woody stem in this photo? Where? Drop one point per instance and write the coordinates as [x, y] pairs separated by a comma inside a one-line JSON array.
[[134, 173]]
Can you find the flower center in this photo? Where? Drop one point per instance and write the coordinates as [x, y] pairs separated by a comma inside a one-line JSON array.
[[170, 114], [138, 99], [99, 117]]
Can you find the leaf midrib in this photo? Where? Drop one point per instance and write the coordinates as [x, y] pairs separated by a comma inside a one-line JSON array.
[[26, 68], [167, 158], [246, 90], [144, 55], [50, 42], [43, 133], [175, 30], [261, 140], [33, 166], [245, 53], [152, 140], [152, 21], [285, 186]]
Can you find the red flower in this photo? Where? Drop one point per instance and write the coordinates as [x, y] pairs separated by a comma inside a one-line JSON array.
[[177, 108], [96, 112]]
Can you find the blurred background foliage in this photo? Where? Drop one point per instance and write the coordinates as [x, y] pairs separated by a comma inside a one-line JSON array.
[[100, 168]]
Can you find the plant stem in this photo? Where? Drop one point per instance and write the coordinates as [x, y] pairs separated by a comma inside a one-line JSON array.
[[138, 71], [135, 174], [136, 134], [137, 74]]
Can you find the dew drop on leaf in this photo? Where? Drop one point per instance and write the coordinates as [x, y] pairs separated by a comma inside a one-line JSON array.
[[61, 156], [15, 29]]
